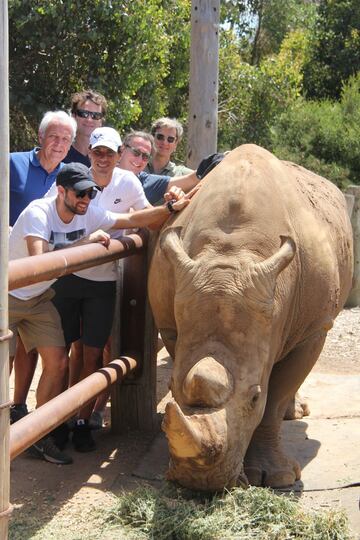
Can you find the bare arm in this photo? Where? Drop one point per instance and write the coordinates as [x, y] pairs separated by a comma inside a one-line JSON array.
[[38, 246], [149, 217], [186, 182]]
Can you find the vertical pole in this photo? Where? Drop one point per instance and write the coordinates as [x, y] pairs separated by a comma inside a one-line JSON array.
[[354, 296], [204, 68], [4, 234], [133, 404]]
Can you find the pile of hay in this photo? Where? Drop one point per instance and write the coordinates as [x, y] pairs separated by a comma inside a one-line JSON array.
[[255, 513]]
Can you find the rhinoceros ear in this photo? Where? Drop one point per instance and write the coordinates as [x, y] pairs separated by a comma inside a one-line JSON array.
[[285, 254], [172, 246], [264, 274]]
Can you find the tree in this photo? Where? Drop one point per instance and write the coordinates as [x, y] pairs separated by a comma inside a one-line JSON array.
[[335, 49], [122, 48]]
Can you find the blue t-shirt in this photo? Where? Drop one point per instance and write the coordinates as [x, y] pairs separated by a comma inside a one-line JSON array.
[[154, 186], [28, 181]]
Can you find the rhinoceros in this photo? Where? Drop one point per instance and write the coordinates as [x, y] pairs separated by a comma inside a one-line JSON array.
[[244, 285]]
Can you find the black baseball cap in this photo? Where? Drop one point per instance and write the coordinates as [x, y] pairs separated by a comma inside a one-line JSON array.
[[75, 176], [208, 163]]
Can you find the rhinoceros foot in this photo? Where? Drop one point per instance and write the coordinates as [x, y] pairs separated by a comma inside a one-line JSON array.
[[267, 466], [297, 408]]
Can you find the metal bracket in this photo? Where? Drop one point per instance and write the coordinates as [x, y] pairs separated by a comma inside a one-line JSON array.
[[6, 404], [6, 514], [6, 337]]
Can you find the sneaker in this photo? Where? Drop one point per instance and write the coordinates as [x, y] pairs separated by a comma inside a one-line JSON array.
[[96, 420], [60, 435], [82, 438], [46, 449], [17, 411]]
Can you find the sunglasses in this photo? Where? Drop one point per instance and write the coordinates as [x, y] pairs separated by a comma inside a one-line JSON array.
[[91, 193], [161, 137], [145, 156], [85, 114]]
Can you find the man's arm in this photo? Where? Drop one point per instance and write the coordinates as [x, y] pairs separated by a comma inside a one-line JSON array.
[[186, 182], [149, 217], [38, 246]]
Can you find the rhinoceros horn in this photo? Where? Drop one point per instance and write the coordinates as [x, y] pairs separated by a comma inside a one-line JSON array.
[[207, 384], [184, 440], [200, 437]]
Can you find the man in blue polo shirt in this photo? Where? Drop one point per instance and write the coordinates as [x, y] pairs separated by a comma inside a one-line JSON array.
[[32, 173]]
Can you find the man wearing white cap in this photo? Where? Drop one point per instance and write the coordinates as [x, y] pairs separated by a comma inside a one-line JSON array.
[[86, 299]]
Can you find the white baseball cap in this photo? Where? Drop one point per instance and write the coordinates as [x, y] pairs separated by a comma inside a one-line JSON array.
[[105, 136]]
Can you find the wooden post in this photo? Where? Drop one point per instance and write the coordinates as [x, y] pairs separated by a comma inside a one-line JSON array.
[[354, 296], [133, 404], [204, 68], [5, 508]]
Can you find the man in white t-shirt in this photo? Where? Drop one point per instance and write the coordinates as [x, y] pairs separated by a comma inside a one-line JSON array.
[[54, 223]]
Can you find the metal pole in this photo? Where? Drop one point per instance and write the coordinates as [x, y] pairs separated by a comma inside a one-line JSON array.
[[5, 508], [65, 261], [47, 417]]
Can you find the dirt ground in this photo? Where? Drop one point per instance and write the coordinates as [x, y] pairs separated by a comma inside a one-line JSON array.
[[63, 502]]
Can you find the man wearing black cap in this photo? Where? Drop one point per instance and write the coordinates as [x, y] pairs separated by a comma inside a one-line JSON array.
[[45, 225]]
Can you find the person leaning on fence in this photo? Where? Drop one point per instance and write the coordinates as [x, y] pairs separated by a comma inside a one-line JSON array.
[[86, 298], [88, 108], [89, 295], [69, 216], [31, 175], [167, 133]]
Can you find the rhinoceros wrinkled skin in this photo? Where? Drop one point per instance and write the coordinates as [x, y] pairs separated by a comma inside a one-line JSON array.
[[244, 285]]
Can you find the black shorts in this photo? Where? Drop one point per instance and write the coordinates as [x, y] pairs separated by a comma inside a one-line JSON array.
[[86, 309]]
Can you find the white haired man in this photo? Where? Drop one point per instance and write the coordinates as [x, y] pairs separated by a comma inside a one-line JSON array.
[[31, 175]]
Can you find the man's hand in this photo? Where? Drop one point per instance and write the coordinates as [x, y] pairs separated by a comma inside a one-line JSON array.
[[174, 194], [178, 204], [100, 237]]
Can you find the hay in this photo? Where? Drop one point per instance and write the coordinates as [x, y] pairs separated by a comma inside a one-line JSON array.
[[255, 513]]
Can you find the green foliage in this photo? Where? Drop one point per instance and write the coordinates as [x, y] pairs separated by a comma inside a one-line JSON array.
[[323, 136], [238, 514], [336, 46], [24, 136], [122, 48], [251, 97]]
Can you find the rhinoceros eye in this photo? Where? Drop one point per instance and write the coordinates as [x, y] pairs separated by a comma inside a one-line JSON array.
[[255, 392]]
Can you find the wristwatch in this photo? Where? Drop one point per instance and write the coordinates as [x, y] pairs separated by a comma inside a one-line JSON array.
[[170, 207]]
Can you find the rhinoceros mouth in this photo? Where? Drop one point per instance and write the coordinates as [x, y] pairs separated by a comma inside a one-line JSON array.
[[193, 475]]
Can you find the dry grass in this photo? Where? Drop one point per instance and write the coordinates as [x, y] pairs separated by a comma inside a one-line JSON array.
[[170, 514]]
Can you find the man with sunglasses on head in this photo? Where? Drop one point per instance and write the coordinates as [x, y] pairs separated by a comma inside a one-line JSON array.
[[88, 108], [167, 133], [54, 223]]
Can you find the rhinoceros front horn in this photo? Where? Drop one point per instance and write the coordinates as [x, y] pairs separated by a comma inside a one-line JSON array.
[[184, 440], [207, 384]]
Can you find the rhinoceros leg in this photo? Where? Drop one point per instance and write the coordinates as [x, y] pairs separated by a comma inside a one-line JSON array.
[[265, 462]]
